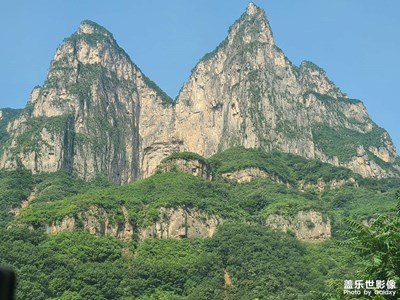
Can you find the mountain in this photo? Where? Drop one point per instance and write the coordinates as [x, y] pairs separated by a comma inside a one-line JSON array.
[[247, 92], [98, 114], [95, 113]]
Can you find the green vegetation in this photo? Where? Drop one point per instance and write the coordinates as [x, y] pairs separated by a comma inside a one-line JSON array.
[[186, 156], [30, 139], [287, 167], [211, 54], [55, 186], [165, 99], [142, 199], [92, 72], [99, 34], [310, 65], [259, 264], [242, 260], [378, 243], [97, 28], [15, 186], [330, 100], [245, 25], [7, 115], [92, 39], [340, 141]]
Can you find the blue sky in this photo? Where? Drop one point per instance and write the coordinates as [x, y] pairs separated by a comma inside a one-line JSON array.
[[357, 42]]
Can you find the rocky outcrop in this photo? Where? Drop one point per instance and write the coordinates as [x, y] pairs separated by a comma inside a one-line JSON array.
[[245, 175], [313, 78], [25, 203], [321, 184], [181, 223], [248, 174], [190, 166], [307, 225], [66, 224], [96, 220], [171, 223], [246, 92]]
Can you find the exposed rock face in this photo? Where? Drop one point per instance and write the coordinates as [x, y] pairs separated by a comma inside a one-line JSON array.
[[321, 185], [180, 223], [25, 203], [307, 225], [66, 224], [172, 223], [245, 175], [248, 174], [189, 166], [97, 113], [245, 93], [96, 221]]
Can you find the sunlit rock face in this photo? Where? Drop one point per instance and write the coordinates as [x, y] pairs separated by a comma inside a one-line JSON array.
[[306, 225]]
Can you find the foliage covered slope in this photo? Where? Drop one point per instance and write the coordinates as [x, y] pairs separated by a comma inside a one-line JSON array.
[[242, 260]]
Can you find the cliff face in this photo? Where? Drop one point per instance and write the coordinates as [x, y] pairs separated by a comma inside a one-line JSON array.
[[171, 223], [180, 223], [184, 223], [306, 225], [98, 114], [96, 221]]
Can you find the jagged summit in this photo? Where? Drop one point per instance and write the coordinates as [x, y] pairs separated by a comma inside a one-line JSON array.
[[90, 27], [92, 33], [251, 27], [251, 9]]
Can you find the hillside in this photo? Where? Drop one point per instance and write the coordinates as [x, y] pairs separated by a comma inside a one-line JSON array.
[[179, 236]]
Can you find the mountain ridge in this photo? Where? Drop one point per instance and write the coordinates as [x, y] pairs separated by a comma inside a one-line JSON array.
[[244, 93]]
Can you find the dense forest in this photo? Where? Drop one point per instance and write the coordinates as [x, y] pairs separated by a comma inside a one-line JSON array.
[[243, 259]]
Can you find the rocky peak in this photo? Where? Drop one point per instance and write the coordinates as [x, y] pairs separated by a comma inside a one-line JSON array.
[[90, 27], [307, 225], [251, 9], [244, 93], [252, 27]]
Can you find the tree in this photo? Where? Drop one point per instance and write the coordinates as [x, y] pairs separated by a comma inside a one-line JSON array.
[[378, 243]]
